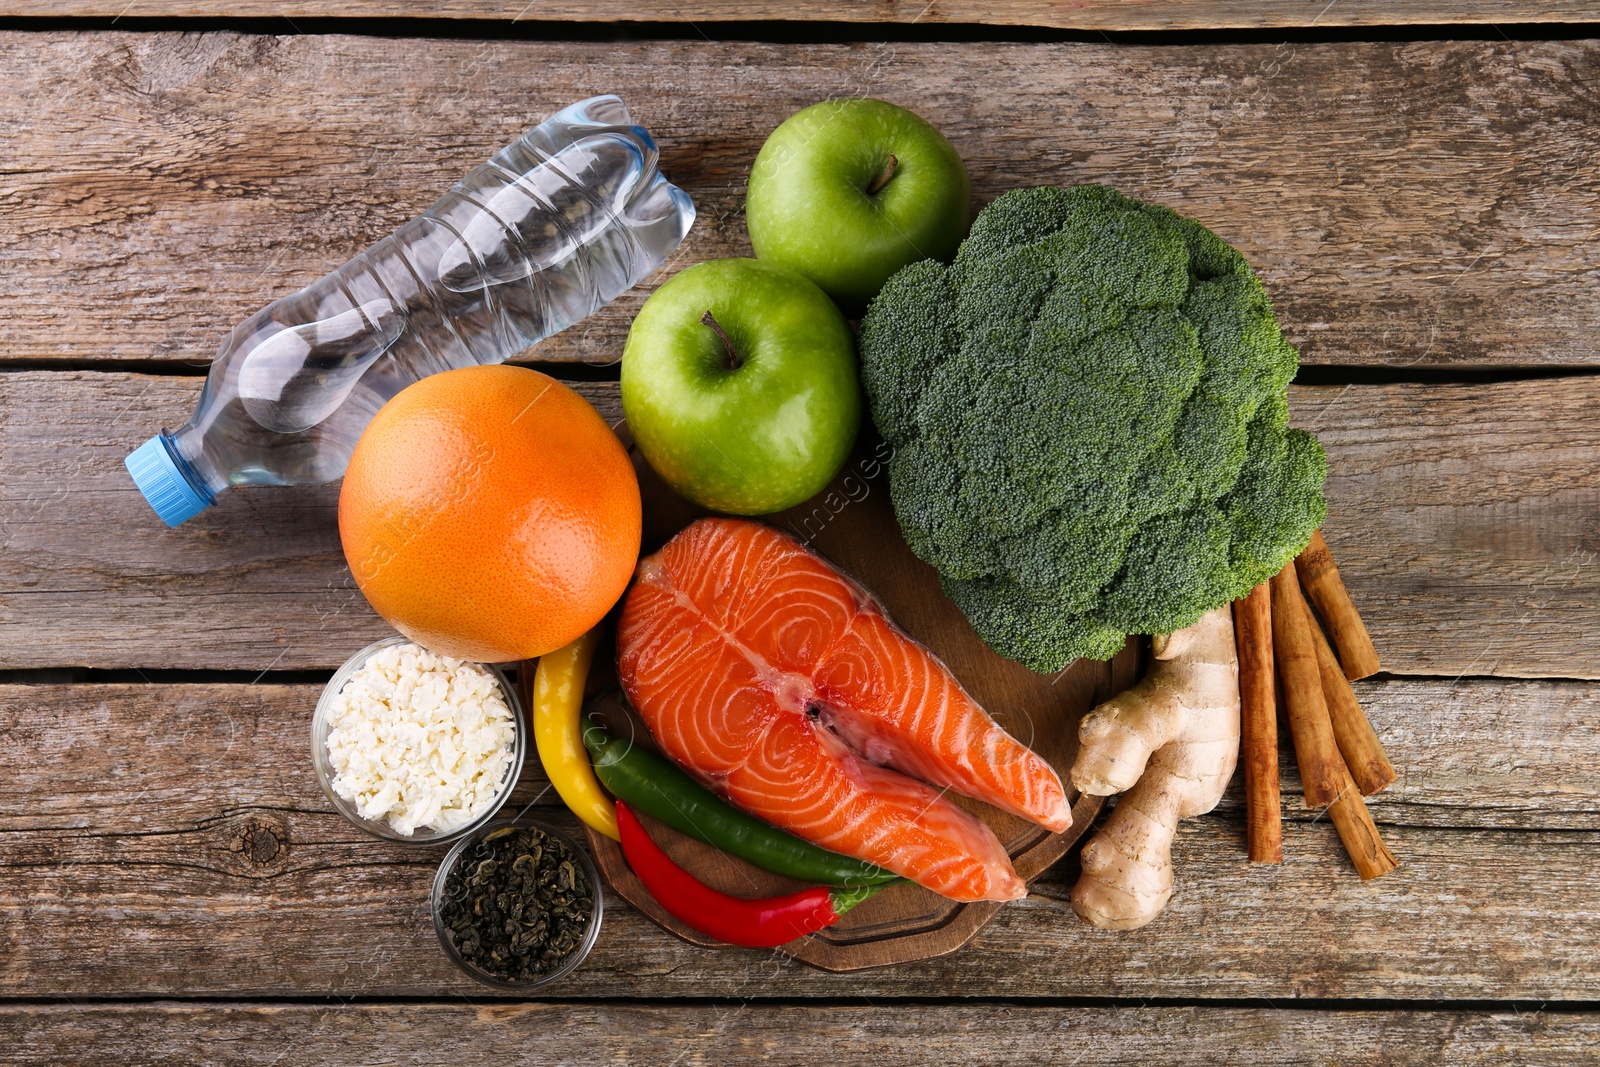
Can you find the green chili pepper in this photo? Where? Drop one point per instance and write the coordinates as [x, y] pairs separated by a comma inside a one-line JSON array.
[[655, 787]]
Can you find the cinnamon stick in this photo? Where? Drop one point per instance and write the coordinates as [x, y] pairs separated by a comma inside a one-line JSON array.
[[1322, 769], [1358, 743], [1327, 780], [1367, 851], [1320, 576], [1258, 725]]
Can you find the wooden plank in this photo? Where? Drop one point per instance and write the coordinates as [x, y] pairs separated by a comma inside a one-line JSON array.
[[1106, 15], [1478, 915], [1463, 751], [184, 827], [1478, 753], [581, 1035], [1462, 517], [259, 582], [1408, 204]]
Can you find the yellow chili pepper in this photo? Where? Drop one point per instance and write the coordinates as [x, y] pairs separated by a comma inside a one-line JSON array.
[[558, 732]]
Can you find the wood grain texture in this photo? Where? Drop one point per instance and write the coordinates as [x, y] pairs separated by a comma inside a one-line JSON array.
[[1484, 753], [1108, 15], [1465, 519], [181, 831], [445, 1034], [90, 575], [1407, 204]]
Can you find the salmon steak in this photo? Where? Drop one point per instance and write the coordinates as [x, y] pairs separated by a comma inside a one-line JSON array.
[[780, 684]]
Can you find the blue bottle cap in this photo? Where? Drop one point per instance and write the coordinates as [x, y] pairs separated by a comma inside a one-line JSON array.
[[156, 472]]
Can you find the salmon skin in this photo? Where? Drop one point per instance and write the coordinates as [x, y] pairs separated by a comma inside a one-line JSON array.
[[780, 684]]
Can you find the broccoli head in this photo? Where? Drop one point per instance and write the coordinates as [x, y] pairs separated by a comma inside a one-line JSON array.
[[1089, 423]]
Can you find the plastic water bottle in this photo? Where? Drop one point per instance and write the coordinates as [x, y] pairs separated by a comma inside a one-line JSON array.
[[554, 226]]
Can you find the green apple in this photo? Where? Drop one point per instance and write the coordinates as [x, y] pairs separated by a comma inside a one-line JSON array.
[[739, 385], [849, 191]]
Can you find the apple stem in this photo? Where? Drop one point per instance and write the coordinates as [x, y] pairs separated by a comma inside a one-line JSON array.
[[883, 176], [735, 361]]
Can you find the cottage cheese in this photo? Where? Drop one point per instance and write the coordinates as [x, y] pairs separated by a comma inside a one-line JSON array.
[[419, 740]]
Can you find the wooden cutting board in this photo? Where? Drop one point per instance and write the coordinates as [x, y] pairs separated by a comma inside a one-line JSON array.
[[853, 525]]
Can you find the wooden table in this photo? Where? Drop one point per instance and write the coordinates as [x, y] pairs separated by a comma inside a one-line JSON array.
[[1422, 205]]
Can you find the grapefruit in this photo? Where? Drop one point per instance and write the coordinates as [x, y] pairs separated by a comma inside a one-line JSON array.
[[489, 513]]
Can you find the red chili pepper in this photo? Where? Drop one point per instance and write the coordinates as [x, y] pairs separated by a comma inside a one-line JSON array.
[[762, 923]]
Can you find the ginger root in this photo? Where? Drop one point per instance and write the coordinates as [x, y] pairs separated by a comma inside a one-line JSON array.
[[1169, 745]]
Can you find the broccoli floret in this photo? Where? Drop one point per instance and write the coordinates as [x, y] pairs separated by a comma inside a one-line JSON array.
[[1089, 423]]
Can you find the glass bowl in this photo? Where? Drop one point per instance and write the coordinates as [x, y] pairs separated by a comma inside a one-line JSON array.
[[380, 827], [585, 864]]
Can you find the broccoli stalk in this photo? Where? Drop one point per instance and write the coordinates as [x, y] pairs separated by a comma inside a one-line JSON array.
[[1089, 423]]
